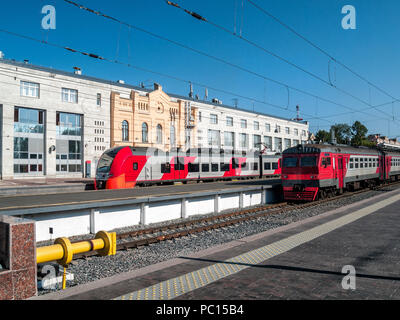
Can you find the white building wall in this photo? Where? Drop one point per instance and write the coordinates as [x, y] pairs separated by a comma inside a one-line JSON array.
[[223, 112]]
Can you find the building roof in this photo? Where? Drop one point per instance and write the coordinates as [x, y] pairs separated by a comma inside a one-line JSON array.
[[136, 88]]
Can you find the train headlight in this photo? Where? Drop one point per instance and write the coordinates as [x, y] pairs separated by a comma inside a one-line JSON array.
[[312, 177], [285, 177]]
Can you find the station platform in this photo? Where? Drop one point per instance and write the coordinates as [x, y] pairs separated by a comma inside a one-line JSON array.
[[38, 185], [302, 260], [9, 204]]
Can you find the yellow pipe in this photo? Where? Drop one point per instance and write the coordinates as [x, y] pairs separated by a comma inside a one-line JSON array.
[[63, 250], [50, 253], [86, 246]]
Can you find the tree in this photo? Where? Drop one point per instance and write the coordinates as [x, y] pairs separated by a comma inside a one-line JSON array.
[[359, 132], [322, 135], [343, 133]]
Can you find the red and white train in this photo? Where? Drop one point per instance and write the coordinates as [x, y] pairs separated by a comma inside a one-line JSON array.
[[311, 171], [126, 167]]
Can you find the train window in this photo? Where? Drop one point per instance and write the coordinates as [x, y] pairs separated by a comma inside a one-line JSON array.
[[165, 168], [135, 166], [244, 166], [205, 167], [351, 165], [326, 162], [193, 167], [214, 167], [267, 165], [224, 166], [235, 163], [274, 165], [310, 161], [255, 166], [289, 162], [179, 163]]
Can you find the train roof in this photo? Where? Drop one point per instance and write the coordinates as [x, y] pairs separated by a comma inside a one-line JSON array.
[[328, 148]]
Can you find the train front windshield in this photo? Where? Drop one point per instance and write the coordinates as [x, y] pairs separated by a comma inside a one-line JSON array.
[[106, 160]]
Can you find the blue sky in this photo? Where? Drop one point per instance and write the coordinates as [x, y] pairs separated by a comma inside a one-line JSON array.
[[371, 50]]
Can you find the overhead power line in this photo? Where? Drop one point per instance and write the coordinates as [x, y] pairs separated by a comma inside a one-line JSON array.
[[320, 49], [197, 16], [274, 55], [101, 58]]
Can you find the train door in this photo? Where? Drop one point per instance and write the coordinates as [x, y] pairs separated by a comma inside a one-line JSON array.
[[341, 171], [179, 168]]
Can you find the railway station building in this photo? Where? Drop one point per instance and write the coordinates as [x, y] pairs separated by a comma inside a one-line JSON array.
[[58, 124]]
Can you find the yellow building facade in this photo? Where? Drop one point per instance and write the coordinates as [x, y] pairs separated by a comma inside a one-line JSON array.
[[151, 119]]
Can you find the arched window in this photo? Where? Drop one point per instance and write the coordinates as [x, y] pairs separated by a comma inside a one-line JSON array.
[[125, 131], [172, 135], [159, 134], [145, 131]]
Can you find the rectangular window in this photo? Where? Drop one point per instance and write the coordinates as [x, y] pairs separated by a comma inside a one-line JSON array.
[[267, 127], [244, 166], [287, 130], [228, 139], [69, 95], [213, 119], [193, 167], [99, 99], [278, 129], [229, 121], [267, 165], [165, 168], [214, 137], [256, 141], [243, 140], [224, 166], [29, 89], [214, 167], [274, 165], [256, 125], [254, 166], [199, 116], [296, 132], [243, 124], [205, 167]]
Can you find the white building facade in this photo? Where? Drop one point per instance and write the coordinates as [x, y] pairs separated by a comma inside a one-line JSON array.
[[56, 124], [232, 128]]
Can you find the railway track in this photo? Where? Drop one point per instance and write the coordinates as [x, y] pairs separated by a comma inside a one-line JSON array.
[[143, 237]]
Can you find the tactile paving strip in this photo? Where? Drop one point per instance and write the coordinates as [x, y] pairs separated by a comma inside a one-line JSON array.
[[175, 287]]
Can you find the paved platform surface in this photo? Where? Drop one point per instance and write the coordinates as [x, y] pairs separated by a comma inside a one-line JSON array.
[[303, 260], [8, 203]]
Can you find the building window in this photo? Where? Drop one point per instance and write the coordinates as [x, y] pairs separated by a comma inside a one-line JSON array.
[[256, 141], [159, 134], [243, 140], [229, 139], [278, 129], [229, 121], [267, 127], [69, 95], [243, 124], [199, 116], [287, 130], [256, 125], [28, 120], [214, 138], [99, 99], [172, 136], [29, 89], [287, 143], [145, 132], [68, 124], [268, 142], [125, 131], [303, 133], [213, 119], [296, 132]]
